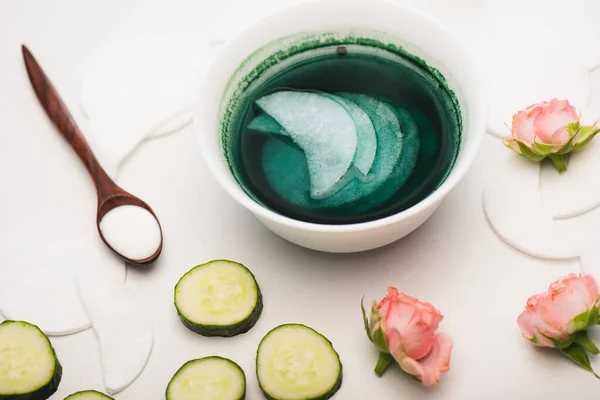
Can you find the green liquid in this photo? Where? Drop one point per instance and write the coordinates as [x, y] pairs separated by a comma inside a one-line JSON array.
[[398, 80]]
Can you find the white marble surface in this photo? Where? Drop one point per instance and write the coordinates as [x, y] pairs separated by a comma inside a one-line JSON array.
[[454, 261]]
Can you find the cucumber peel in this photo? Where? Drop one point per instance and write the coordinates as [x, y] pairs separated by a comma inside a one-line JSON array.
[[88, 395], [214, 378], [295, 362], [218, 298], [29, 368]]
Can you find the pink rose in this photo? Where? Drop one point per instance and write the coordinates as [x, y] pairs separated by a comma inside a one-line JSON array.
[[545, 123], [549, 129], [405, 328], [553, 318]]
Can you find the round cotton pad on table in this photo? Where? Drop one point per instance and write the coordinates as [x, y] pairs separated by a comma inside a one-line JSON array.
[[39, 286], [139, 87], [576, 191], [514, 208]]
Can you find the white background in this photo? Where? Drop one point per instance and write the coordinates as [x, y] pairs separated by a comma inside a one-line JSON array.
[[454, 261]]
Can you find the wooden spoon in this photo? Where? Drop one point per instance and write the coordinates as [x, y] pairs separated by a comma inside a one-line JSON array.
[[110, 195]]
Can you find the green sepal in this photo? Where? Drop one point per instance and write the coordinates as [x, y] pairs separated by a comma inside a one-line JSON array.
[[585, 142], [581, 320], [527, 152], [383, 362], [573, 128], [593, 317], [578, 355], [377, 336], [535, 341], [378, 339], [559, 162], [365, 320], [586, 319], [584, 341], [545, 149], [585, 135], [582, 136], [560, 345], [513, 145]]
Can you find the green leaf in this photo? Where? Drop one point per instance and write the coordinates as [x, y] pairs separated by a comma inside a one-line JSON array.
[[578, 355], [383, 362], [527, 152], [559, 162], [584, 341], [365, 320]]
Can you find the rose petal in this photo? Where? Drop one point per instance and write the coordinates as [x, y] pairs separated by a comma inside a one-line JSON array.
[[566, 299], [416, 322], [536, 106], [592, 286], [529, 322], [552, 118], [561, 136], [394, 342], [429, 368], [522, 128]]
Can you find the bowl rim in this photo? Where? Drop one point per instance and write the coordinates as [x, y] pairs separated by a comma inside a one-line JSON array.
[[476, 133]]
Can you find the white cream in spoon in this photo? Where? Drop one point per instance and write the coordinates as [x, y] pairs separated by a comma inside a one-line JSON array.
[[131, 231]]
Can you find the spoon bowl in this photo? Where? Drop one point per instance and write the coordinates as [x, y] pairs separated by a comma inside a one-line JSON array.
[[110, 195], [126, 199]]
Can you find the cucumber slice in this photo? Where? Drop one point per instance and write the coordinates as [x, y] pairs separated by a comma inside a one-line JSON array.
[[219, 298], [295, 362], [88, 395], [214, 378], [324, 131], [29, 368]]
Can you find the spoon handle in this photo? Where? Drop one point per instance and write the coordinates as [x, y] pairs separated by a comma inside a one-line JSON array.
[[64, 122]]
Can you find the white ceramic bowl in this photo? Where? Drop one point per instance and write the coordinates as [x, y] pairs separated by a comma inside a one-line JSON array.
[[419, 34]]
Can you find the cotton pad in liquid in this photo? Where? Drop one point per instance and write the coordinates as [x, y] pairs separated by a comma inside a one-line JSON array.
[[344, 134]]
